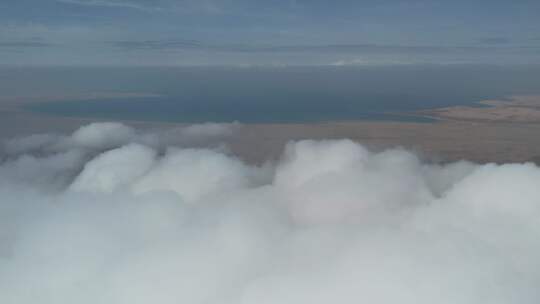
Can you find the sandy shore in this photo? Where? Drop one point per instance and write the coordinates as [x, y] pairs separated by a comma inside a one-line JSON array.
[[443, 141], [502, 131], [519, 109], [440, 141]]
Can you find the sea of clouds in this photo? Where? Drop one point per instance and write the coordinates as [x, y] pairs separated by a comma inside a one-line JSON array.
[[110, 214]]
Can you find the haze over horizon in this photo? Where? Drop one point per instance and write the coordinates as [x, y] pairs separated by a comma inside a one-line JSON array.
[[268, 33]]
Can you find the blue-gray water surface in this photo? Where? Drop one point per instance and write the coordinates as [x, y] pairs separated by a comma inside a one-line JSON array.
[[300, 94]]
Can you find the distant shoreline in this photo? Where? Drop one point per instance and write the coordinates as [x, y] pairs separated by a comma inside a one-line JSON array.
[[69, 107], [449, 138], [518, 109], [515, 109], [443, 141]]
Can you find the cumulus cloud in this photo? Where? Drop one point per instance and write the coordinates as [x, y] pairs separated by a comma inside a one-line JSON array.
[[104, 136], [114, 169], [107, 215]]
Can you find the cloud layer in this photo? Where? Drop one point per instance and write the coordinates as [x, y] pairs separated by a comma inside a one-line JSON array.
[[260, 32], [110, 214]]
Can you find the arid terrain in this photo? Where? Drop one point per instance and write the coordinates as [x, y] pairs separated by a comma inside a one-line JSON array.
[[499, 131], [506, 131], [441, 141], [518, 109]]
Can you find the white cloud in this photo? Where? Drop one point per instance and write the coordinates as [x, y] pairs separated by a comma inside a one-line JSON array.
[[114, 169], [104, 135], [209, 130], [122, 220], [200, 173]]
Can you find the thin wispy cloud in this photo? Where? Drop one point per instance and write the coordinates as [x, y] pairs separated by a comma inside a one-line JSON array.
[[494, 40], [323, 48], [283, 29], [130, 4], [190, 6], [23, 44]]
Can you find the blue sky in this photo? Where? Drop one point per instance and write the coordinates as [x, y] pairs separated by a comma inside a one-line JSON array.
[[272, 32]]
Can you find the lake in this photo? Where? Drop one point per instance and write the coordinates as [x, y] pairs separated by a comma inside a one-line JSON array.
[[280, 94]]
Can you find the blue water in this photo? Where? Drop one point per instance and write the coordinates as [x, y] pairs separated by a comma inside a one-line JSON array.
[[175, 109], [286, 94]]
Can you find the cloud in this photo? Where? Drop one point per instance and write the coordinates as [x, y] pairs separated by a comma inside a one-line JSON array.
[[494, 40], [170, 6], [367, 62], [23, 44], [105, 215], [114, 169], [103, 135], [189, 44], [157, 44], [143, 5], [206, 130]]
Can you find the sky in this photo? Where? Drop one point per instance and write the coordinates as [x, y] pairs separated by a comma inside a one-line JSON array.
[[277, 32]]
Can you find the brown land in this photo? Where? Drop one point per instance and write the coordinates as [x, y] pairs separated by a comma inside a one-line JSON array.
[[519, 109], [476, 134], [442, 141]]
